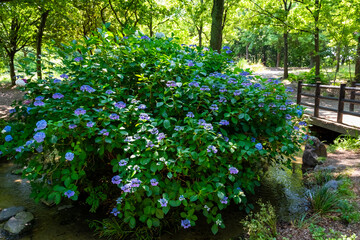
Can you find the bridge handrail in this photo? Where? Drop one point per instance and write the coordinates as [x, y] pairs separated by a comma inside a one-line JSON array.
[[341, 99]]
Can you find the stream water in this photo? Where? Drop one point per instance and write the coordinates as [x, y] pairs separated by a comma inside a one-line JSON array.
[[50, 223]]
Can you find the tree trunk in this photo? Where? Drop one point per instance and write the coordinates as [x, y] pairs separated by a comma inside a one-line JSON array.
[[216, 25], [12, 68], [200, 30], [278, 57], [247, 52], [39, 37], [338, 50], [286, 55], [317, 54], [357, 63]]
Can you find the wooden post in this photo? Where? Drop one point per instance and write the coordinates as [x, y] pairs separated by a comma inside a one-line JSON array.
[[341, 103], [317, 99], [299, 90], [352, 97]]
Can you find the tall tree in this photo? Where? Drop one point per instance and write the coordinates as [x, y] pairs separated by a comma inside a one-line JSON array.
[[217, 14]]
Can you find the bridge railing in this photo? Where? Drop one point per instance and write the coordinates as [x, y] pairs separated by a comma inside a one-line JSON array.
[[354, 91]]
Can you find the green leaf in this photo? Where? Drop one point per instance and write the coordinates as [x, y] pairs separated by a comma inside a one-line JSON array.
[[159, 104], [132, 223], [159, 213], [167, 124], [193, 198], [149, 223], [214, 229]]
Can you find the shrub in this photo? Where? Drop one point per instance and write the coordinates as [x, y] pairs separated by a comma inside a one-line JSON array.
[[143, 126]]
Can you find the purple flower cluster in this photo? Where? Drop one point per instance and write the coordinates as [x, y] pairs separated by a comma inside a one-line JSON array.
[[72, 126], [190, 63], [222, 100], [224, 200], [115, 211], [154, 182], [120, 104], [8, 138], [87, 88], [224, 122], [104, 132], [287, 117], [208, 126], [78, 59], [178, 128], [109, 92], [185, 223], [39, 137], [40, 125], [69, 193], [212, 148], [258, 146], [194, 84], [64, 76], [56, 80], [114, 116], [123, 162], [135, 182], [116, 180], [214, 107], [161, 136], [282, 107], [190, 115], [39, 98], [57, 96], [222, 90], [39, 103], [142, 106], [237, 92], [171, 84], [144, 117], [145, 37], [163, 202], [204, 88], [69, 156], [233, 170], [90, 124], [126, 188], [80, 111], [19, 149], [150, 144]]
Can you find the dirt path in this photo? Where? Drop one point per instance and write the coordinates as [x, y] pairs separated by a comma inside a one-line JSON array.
[[7, 96]]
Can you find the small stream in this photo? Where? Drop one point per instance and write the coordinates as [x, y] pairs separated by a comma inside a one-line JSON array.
[[50, 223]]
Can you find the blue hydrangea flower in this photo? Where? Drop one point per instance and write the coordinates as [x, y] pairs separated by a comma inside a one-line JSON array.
[[104, 132], [39, 137], [39, 103], [161, 136], [181, 198], [144, 117], [205, 88], [120, 104], [185, 223], [64, 76], [163, 202], [154, 182], [296, 128], [57, 80], [259, 146], [289, 89], [126, 188], [224, 200], [237, 92], [87, 88], [171, 84], [212, 148], [194, 84], [80, 111], [19, 149], [28, 110], [123, 162], [114, 116], [7, 128], [69, 156], [288, 117], [69, 193], [226, 48], [190, 115], [208, 126], [12, 110], [115, 211], [109, 92], [135, 182], [224, 122], [214, 107], [72, 126], [78, 59], [190, 64], [282, 108], [150, 144], [178, 128], [28, 143], [253, 139], [116, 179], [222, 100], [39, 98], [261, 105], [90, 124], [57, 96], [142, 106], [119, 200], [233, 170], [154, 131], [42, 124], [145, 37], [222, 90]]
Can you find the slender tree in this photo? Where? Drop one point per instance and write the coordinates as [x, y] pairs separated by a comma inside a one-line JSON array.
[[217, 24]]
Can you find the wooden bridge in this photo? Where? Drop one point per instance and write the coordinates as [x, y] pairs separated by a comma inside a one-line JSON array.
[[336, 108]]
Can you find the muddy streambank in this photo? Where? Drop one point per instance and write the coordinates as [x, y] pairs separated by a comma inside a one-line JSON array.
[[69, 223]]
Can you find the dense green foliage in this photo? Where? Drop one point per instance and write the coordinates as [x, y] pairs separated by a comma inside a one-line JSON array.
[[146, 126]]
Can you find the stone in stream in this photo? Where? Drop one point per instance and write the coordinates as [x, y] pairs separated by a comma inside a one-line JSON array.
[[20, 223], [313, 150], [7, 213]]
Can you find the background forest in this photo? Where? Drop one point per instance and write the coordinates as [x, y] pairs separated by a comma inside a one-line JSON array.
[[283, 33]]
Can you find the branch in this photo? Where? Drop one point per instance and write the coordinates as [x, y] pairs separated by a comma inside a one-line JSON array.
[[116, 16]]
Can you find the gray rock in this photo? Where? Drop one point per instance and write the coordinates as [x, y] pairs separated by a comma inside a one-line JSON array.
[[7, 213], [329, 168], [313, 150], [309, 159], [19, 223], [317, 146], [332, 184], [65, 207]]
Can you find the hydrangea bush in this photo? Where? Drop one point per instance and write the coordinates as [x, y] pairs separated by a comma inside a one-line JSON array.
[[145, 126]]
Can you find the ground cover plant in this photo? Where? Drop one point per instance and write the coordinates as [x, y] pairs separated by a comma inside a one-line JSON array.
[[145, 126]]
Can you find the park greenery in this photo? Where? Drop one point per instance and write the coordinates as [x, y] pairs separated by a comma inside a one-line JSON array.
[[144, 111]]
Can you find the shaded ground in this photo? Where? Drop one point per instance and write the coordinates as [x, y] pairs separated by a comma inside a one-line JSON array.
[[7, 96], [347, 162]]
